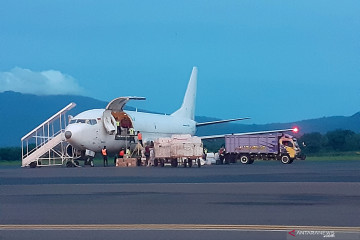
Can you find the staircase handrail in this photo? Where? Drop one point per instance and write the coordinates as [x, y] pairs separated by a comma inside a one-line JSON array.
[[53, 118]]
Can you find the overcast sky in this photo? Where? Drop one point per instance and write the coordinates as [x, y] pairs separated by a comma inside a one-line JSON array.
[[274, 61]]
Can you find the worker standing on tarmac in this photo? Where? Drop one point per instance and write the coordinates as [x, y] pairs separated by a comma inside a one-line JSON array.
[[147, 155], [122, 153], [139, 135], [128, 152], [205, 153], [104, 153]]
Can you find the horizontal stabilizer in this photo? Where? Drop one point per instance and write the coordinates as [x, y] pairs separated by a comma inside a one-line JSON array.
[[220, 121]]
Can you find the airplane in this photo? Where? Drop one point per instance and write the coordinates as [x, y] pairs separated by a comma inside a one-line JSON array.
[[91, 130]]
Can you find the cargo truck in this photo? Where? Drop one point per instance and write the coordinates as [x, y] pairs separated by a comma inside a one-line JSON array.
[[271, 146]]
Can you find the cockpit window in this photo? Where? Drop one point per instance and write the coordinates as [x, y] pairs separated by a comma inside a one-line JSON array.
[[93, 121], [72, 121], [287, 143]]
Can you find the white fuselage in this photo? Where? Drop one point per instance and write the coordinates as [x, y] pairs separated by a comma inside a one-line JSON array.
[[92, 135]]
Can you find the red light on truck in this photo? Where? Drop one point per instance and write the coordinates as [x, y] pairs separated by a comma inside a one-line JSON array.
[[295, 130]]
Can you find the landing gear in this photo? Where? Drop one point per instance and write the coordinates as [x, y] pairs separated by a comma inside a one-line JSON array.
[[69, 164], [89, 161]]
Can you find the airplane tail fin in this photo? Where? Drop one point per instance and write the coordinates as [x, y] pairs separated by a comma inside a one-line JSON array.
[[187, 109]]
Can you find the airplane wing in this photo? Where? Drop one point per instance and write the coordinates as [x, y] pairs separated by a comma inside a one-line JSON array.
[[295, 130], [118, 103], [220, 121]]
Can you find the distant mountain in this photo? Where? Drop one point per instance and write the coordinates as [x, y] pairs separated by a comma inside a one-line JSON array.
[[20, 113], [321, 125]]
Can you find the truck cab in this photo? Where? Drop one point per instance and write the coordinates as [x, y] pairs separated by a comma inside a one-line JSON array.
[[289, 147]]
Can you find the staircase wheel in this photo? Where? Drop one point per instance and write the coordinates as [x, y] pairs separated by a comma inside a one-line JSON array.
[[33, 164]]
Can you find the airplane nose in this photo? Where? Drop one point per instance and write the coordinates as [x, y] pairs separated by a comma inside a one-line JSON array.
[[68, 134]]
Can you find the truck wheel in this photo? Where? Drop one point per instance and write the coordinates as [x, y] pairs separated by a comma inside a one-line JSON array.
[[285, 159], [251, 161], [244, 159], [190, 162]]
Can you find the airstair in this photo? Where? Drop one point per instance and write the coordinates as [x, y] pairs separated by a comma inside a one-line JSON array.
[[45, 145]]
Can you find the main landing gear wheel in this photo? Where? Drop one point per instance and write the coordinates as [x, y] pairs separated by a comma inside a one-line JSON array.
[[69, 164]]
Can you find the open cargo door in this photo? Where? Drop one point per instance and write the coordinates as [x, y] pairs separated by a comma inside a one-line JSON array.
[[118, 104]]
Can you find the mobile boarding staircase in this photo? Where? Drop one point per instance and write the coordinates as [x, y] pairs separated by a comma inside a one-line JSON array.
[[46, 145]]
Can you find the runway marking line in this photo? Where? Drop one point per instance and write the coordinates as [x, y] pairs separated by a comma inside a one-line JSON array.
[[183, 227]]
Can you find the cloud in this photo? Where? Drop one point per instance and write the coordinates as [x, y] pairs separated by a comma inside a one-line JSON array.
[[48, 82]]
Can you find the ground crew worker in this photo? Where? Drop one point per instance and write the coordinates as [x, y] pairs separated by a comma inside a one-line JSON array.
[[205, 153], [139, 135], [132, 133], [118, 127], [222, 154], [122, 153], [104, 153], [147, 155], [128, 152]]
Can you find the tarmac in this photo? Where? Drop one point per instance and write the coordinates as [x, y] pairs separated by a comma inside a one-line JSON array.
[[265, 200]]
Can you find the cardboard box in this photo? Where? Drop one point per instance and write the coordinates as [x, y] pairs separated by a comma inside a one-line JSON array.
[[131, 162], [126, 162]]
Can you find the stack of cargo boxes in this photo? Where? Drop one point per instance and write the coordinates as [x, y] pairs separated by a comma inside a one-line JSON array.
[[178, 146], [126, 162]]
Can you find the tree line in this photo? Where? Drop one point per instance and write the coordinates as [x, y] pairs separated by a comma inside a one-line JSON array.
[[10, 154], [333, 141]]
